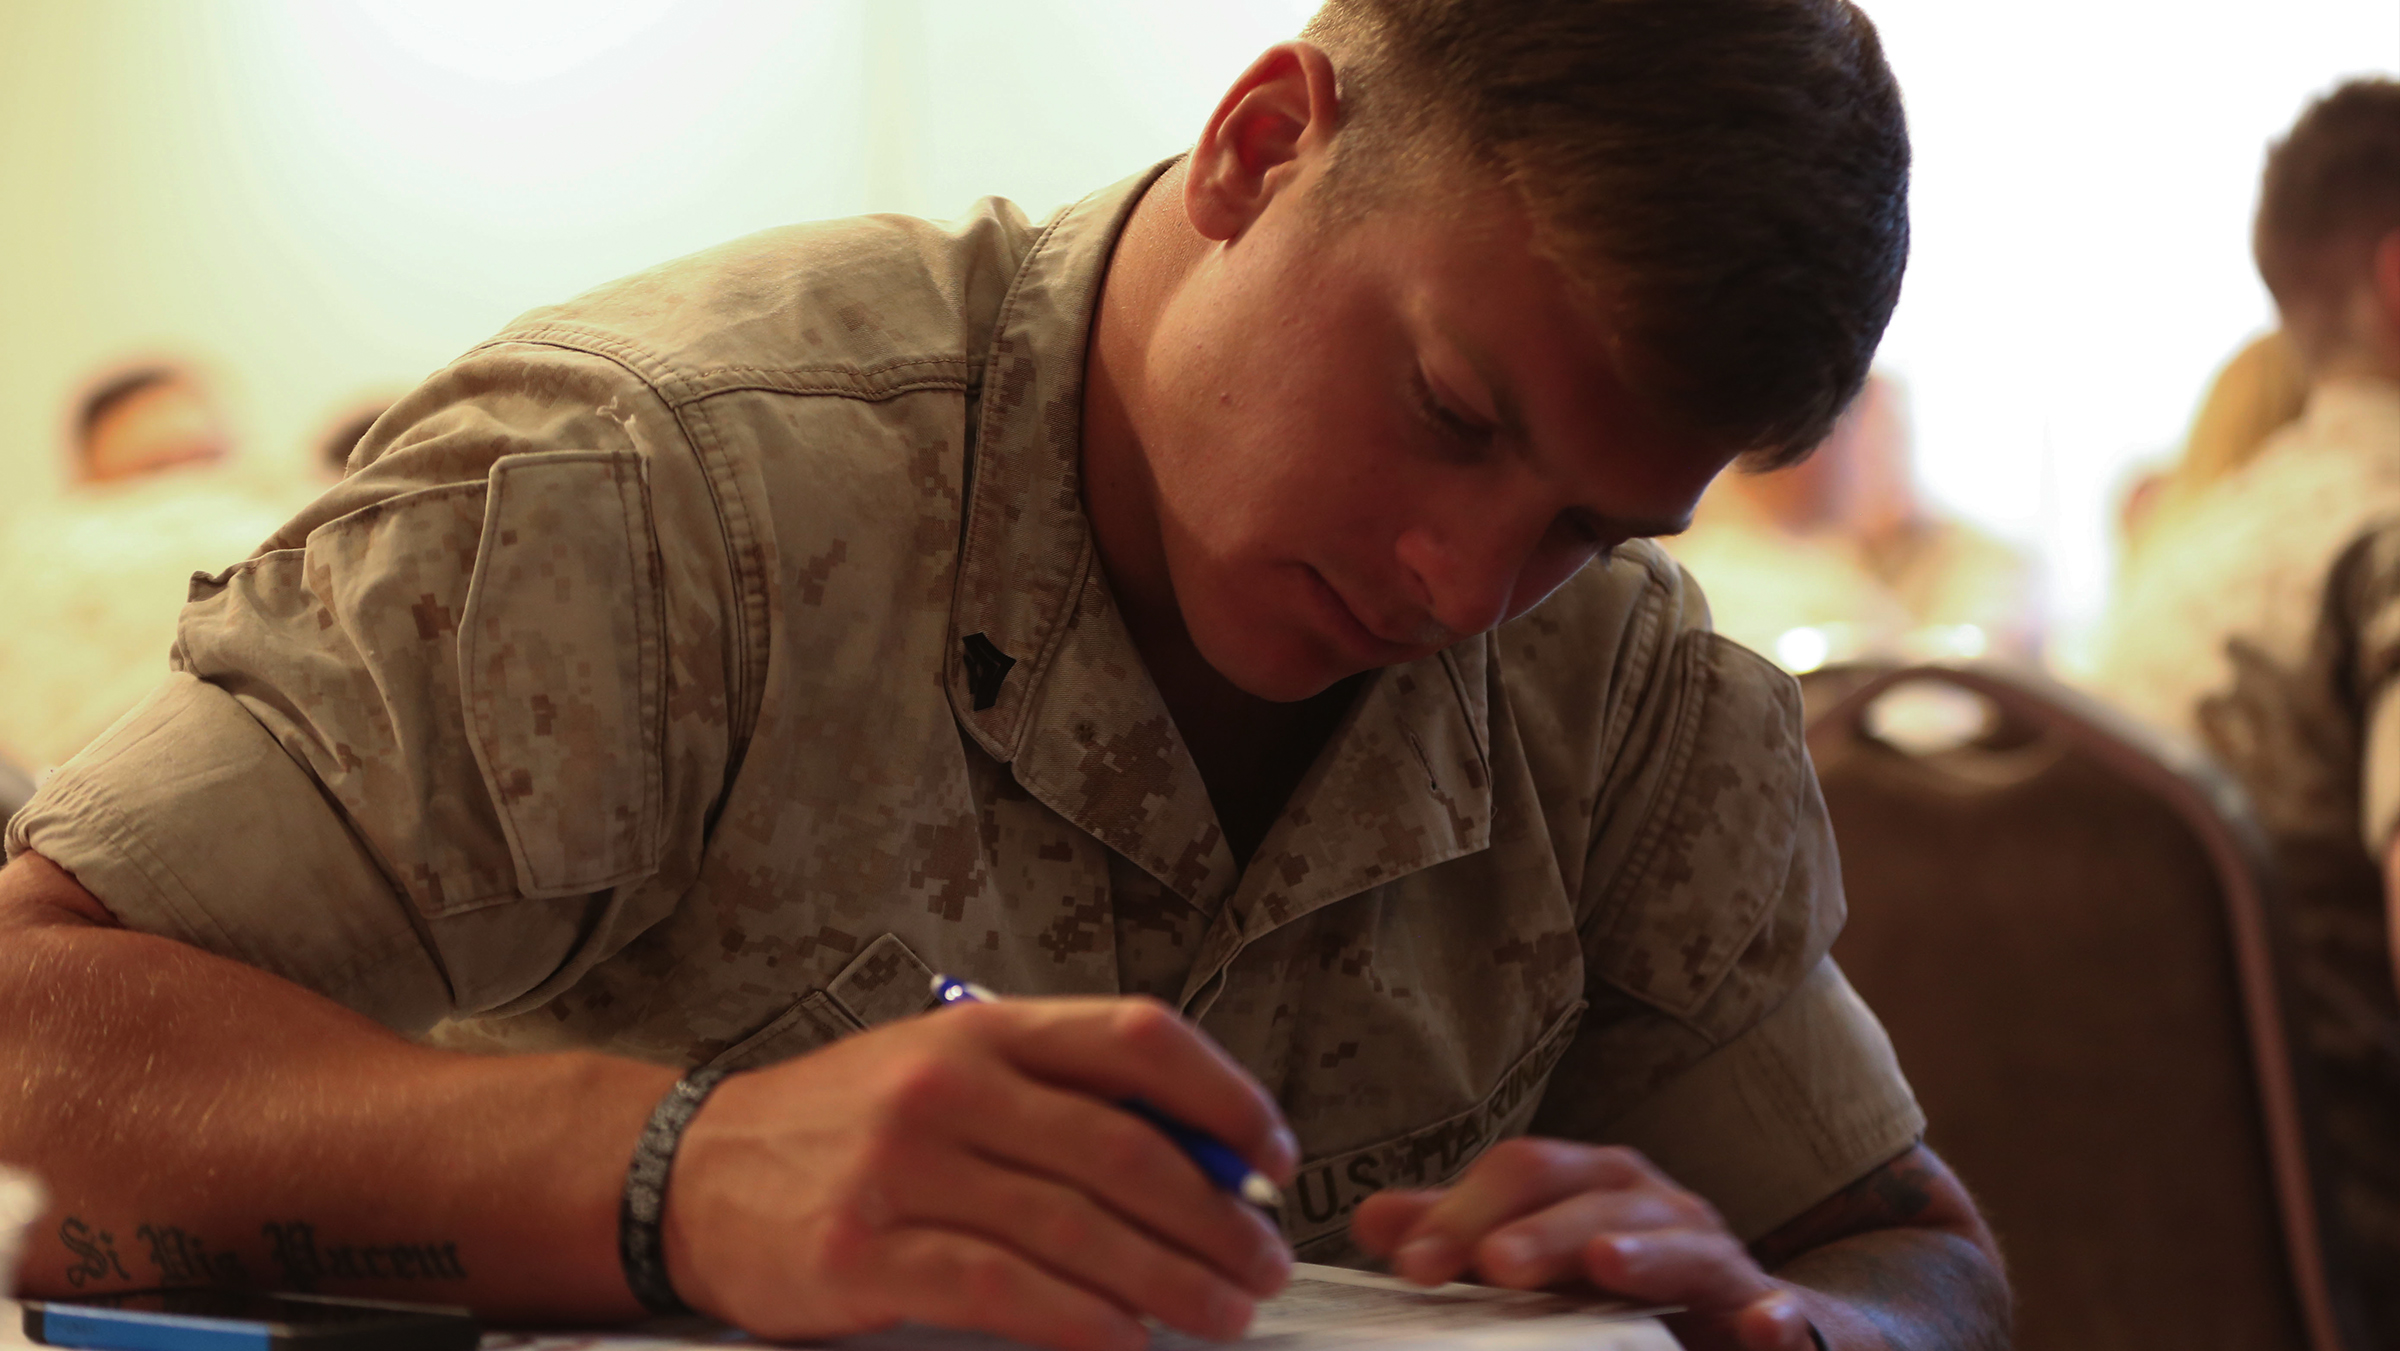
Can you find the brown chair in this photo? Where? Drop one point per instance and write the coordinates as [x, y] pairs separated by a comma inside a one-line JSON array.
[[2066, 924]]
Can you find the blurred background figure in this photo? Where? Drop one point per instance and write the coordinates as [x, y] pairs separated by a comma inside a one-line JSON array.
[[146, 421], [93, 578], [16, 789], [2262, 618], [2257, 393], [1841, 559], [2229, 565], [343, 433], [2254, 395]]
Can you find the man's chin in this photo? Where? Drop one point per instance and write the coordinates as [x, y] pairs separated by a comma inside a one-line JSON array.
[[1287, 677], [1286, 681]]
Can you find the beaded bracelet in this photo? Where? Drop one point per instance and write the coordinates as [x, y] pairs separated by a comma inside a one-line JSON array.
[[639, 1244]]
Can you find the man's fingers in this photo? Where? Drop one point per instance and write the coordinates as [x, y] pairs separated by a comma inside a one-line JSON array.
[[1385, 1218], [1774, 1323], [1705, 1270], [1074, 1237], [1140, 1048], [1547, 1246], [1131, 1167], [957, 1280], [1514, 1178]]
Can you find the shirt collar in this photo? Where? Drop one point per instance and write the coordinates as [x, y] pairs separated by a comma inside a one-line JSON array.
[[1027, 546]]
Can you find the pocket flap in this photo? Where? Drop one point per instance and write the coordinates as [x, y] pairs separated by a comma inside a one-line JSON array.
[[813, 1022], [560, 656], [885, 982]]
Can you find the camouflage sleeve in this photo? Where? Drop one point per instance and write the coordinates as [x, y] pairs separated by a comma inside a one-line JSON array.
[[2358, 653], [449, 738], [2361, 635], [1721, 1040]]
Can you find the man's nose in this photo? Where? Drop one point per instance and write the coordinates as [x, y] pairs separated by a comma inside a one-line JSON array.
[[1467, 575]]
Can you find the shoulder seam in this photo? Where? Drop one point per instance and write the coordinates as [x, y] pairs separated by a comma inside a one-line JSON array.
[[872, 382]]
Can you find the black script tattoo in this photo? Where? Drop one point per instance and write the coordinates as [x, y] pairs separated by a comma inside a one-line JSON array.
[[304, 1263], [1919, 1287], [1898, 1193], [182, 1258], [95, 1253], [1922, 1290]]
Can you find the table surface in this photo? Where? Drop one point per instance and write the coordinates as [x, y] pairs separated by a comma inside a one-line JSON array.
[[1326, 1309]]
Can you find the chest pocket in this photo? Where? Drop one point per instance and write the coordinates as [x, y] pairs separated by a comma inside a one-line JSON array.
[[1316, 1215], [885, 982], [560, 656]]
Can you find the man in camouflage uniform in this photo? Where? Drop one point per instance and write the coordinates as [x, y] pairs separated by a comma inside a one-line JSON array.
[[2265, 623], [1139, 604]]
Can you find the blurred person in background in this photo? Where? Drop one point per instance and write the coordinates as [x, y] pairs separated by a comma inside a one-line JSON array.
[[2257, 393], [16, 786], [2235, 572], [95, 577], [147, 421], [1841, 559], [344, 433], [2263, 620]]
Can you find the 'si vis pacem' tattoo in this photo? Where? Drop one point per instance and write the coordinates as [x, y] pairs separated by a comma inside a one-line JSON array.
[[95, 1253], [181, 1257], [303, 1263]]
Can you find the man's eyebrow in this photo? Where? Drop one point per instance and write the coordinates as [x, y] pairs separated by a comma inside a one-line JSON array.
[[1504, 399], [1512, 423]]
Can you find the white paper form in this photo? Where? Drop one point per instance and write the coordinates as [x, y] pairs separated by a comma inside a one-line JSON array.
[[1324, 1309]]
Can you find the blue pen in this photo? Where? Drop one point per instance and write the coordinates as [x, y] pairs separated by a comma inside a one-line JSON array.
[[1216, 1159]]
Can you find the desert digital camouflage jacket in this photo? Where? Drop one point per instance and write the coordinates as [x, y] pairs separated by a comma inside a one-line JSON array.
[[691, 669]]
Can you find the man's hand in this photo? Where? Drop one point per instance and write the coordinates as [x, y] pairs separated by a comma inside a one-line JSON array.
[[967, 1169], [1533, 1213]]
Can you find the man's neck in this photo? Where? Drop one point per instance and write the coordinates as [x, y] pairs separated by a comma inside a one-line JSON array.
[[1251, 752], [1154, 254], [2355, 338], [2356, 366]]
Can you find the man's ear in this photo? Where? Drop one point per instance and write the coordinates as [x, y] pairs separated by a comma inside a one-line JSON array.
[[2385, 270], [1274, 124]]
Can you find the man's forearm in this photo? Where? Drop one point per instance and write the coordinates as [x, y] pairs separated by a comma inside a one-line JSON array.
[[1903, 1289], [196, 1120], [1899, 1259]]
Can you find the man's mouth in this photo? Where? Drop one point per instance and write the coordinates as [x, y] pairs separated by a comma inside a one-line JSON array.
[[1377, 639]]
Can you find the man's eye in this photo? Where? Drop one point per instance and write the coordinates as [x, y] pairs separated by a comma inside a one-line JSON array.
[[1451, 423]]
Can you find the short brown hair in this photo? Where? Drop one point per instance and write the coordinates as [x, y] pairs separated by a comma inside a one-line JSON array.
[[1728, 177], [113, 394], [2330, 191]]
